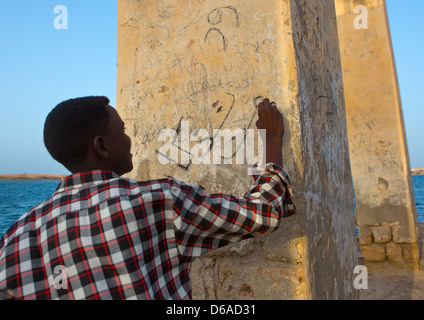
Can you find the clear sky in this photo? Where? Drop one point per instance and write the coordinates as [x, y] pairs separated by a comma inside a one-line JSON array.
[[41, 66]]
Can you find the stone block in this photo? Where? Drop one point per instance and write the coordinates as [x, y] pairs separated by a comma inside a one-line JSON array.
[[382, 234], [373, 253], [402, 235], [285, 252], [365, 235], [394, 252], [247, 281], [252, 281], [410, 253]]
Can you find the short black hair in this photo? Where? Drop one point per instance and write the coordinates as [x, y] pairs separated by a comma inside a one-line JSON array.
[[71, 127]]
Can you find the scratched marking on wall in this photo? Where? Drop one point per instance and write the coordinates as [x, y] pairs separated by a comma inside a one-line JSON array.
[[199, 58]]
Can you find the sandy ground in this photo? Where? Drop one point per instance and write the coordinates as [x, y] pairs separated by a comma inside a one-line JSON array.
[[390, 283]]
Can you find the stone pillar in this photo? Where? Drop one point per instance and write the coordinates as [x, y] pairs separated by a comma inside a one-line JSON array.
[[207, 64], [385, 206]]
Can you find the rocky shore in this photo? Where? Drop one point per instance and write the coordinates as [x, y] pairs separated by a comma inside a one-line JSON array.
[[30, 176]]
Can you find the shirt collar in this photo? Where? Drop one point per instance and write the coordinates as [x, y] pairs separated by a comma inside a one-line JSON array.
[[85, 179]]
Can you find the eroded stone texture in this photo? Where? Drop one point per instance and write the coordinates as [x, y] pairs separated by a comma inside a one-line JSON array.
[[378, 148], [209, 63], [382, 234]]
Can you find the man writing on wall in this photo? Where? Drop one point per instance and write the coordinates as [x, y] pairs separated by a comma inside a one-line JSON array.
[[119, 238]]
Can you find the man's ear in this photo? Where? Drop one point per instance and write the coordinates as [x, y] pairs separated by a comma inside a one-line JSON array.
[[101, 148]]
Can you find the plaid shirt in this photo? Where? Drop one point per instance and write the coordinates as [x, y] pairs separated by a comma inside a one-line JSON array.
[[101, 236]]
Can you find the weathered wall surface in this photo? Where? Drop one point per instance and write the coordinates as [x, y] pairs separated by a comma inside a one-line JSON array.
[[385, 206], [209, 62], [328, 185]]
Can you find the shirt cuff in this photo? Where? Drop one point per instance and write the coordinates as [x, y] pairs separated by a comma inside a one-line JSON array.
[[289, 207]]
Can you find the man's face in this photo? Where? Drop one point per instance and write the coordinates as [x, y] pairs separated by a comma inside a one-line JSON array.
[[119, 144]]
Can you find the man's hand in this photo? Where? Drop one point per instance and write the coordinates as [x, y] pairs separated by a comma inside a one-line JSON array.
[[271, 119]]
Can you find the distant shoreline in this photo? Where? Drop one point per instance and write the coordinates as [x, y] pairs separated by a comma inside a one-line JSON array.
[[418, 171], [31, 176]]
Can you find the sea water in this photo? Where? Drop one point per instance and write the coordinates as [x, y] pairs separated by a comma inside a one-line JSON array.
[[418, 181], [19, 196]]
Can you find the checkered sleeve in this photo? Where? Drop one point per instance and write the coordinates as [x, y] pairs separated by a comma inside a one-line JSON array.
[[209, 221]]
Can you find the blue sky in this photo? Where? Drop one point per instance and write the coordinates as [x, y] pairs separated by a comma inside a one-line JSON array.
[[41, 66], [407, 28]]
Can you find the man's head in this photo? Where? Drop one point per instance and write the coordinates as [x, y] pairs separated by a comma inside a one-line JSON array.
[[87, 134]]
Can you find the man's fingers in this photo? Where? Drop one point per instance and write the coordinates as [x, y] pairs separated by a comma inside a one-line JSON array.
[[265, 104], [257, 123], [261, 108]]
